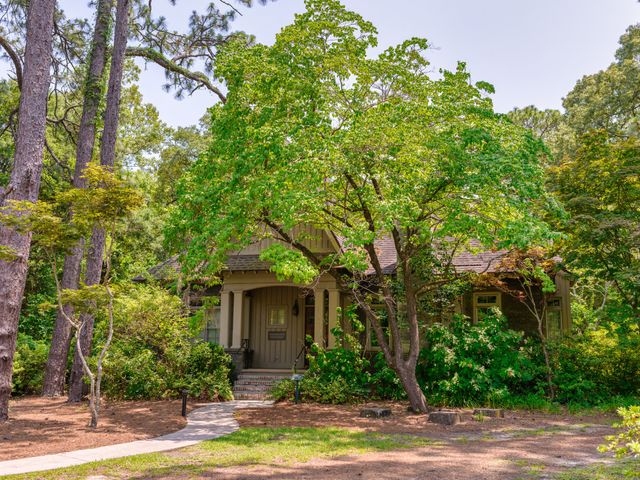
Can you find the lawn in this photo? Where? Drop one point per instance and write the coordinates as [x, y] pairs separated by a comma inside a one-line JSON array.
[[251, 446]]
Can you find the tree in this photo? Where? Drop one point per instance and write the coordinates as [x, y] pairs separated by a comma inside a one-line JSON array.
[[24, 182], [54, 380], [314, 131], [600, 187], [179, 53], [107, 159], [597, 179], [102, 201]]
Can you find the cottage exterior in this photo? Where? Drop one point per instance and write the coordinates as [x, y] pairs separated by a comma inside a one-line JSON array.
[[263, 322]]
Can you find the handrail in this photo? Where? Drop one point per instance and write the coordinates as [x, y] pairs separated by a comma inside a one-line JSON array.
[[295, 363]]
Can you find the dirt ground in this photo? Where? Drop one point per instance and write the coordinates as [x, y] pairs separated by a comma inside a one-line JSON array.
[[521, 445], [39, 426]]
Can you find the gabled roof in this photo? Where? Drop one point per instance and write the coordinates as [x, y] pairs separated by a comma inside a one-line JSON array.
[[481, 262]]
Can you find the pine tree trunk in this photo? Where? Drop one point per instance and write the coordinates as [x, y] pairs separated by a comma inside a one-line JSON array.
[[24, 183], [107, 159], [54, 378]]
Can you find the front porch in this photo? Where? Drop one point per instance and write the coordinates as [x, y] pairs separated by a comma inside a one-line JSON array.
[[264, 322]]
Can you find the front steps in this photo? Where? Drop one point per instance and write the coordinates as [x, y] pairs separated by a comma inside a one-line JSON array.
[[255, 384]]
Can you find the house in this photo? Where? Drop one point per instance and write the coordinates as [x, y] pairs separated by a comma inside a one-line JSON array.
[[262, 322]]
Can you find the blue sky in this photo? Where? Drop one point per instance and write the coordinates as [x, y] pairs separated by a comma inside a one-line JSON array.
[[532, 51]]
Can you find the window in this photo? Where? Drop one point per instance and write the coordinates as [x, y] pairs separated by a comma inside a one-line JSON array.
[[212, 325], [372, 338], [277, 316], [484, 302], [403, 327], [554, 317]]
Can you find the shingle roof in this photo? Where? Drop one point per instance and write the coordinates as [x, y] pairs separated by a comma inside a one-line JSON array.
[[481, 262]]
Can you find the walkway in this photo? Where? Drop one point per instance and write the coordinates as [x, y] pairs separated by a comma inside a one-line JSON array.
[[206, 423]]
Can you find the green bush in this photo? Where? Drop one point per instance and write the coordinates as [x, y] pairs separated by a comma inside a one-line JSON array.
[[593, 367], [628, 441], [342, 375], [154, 354], [467, 364], [28, 365]]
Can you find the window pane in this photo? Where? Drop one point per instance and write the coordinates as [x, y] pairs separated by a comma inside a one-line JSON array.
[[554, 323], [212, 326], [487, 300], [277, 316]]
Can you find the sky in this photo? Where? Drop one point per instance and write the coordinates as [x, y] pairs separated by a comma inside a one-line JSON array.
[[532, 51]]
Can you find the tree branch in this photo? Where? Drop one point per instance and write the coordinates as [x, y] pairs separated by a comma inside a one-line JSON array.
[[15, 58], [166, 63]]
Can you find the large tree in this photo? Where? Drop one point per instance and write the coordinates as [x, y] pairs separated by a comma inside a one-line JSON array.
[[315, 131], [55, 373], [95, 254], [597, 177], [24, 182]]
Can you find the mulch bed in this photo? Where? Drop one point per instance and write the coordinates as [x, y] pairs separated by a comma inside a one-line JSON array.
[[40, 426]]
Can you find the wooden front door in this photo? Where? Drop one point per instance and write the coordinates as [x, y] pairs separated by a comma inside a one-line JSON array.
[[276, 327]]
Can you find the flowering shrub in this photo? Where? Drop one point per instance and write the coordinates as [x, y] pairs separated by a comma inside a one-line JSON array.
[[468, 364]]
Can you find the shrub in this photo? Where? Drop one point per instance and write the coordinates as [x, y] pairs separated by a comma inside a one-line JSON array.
[[627, 442], [28, 365], [465, 364], [155, 355], [343, 375], [599, 364]]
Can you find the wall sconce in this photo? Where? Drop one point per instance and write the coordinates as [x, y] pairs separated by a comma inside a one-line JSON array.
[[296, 309]]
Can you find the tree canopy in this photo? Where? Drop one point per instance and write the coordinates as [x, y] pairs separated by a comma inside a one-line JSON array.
[[316, 131]]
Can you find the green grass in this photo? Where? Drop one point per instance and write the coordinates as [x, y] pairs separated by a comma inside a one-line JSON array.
[[251, 446], [620, 470]]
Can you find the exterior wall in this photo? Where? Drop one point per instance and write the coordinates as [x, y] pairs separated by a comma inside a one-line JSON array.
[[518, 316], [313, 238]]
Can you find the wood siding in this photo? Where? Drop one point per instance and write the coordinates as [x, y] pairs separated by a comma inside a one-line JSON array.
[[274, 352], [313, 238]]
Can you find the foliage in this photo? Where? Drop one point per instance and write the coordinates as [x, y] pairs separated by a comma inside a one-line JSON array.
[[464, 364], [28, 365], [627, 442], [601, 189], [342, 375], [317, 131], [598, 365], [155, 356]]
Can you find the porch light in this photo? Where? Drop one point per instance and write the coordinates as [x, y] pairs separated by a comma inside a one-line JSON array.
[[296, 309]]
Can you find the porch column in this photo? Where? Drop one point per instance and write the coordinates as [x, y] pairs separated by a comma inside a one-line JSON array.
[[318, 323], [225, 321], [238, 316], [334, 303]]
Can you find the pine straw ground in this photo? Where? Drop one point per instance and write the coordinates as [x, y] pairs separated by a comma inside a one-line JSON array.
[[319, 441]]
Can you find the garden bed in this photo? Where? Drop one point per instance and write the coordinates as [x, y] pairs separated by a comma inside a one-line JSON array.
[[40, 426]]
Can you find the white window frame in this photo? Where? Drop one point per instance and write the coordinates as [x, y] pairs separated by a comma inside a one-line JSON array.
[[477, 305]]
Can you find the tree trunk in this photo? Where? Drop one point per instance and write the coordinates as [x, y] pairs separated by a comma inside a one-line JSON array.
[[107, 159], [407, 375], [54, 377], [25, 180]]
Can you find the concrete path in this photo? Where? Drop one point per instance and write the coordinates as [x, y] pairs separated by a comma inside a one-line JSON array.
[[206, 423]]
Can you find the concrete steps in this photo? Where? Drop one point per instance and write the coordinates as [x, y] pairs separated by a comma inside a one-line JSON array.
[[256, 384]]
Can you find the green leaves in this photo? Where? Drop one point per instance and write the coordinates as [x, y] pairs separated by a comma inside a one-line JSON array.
[[57, 226], [626, 443], [316, 131], [289, 264]]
